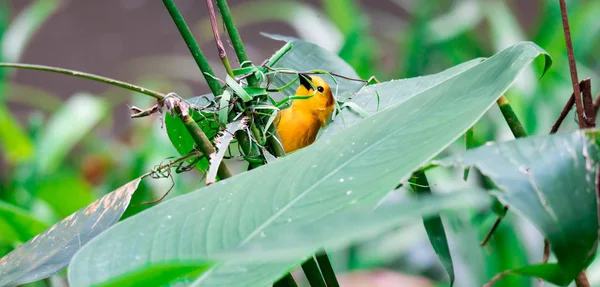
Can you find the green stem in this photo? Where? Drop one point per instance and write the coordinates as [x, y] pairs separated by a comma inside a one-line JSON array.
[[286, 281], [236, 39], [113, 82], [234, 34], [511, 118], [518, 131], [204, 144], [187, 36], [277, 56], [434, 225], [311, 270], [469, 144], [327, 269]]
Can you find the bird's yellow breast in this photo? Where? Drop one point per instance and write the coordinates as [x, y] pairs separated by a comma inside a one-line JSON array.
[[297, 129], [299, 124]]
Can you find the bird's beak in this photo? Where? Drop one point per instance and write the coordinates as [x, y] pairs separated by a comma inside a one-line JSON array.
[[305, 80]]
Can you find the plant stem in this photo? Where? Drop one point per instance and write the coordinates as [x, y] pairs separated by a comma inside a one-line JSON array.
[[234, 34], [311, 270], [469, 144], [327, 269], [113, 82], [286, 281], [204, 144], [511, 118], [518, 132], [187, 36], [572, 65], [220, 47], [236, 39], [582, 280]]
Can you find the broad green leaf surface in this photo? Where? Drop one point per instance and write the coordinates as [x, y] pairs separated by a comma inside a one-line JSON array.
[[340, 230], [305, 56], [355, 168], [543, 179], [378, 97], [52, 250], [17, 225], [67, 126]]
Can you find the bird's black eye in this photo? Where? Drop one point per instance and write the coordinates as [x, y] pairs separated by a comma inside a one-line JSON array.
[[320, 89]]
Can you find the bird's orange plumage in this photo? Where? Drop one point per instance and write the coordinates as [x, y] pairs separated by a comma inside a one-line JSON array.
[[299, 124]]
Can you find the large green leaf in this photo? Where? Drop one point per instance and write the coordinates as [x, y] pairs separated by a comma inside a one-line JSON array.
[[52, 250], [357, 167], [544, 179], [292, 241], [375, 98]]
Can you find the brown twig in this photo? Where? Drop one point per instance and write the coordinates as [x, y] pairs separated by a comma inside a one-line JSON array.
[[545, 257], [572, 65], [563, 114], [588, 105], [497, 278], [220, 47], [583, 85], [596, 104], [493, 229]]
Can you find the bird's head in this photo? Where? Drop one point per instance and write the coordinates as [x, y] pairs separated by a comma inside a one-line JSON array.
[[319, 99]]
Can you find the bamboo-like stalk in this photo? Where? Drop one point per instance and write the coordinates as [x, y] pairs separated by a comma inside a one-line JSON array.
[[112, 82], [311, 270], [469, 144], [518, 132], [511, 118], [236, 39], [327, 269], [192, 45], [204, 144], [234, 34], [286, 281]]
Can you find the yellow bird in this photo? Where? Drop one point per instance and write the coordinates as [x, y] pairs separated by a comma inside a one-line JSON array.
[[299, 124]]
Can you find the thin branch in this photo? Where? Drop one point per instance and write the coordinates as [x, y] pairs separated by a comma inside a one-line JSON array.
[[113, 82], [220, 47], [572, 65], [236, 40], [588, 105], [291, 72], [493, 229], [582, 280], [563, 114], [192, 45]]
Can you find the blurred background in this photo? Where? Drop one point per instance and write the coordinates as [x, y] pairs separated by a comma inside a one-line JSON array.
[[67, 141]]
